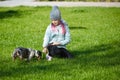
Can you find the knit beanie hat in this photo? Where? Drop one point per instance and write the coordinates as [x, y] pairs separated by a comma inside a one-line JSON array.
[[55, 13]]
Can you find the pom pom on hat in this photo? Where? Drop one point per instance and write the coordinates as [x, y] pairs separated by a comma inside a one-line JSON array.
[[55, 13]]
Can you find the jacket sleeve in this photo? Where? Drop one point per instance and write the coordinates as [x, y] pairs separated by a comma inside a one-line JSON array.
[[46, 37], [67, 37]]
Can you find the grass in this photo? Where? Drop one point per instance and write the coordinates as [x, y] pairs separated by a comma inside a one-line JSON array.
[[95, 43]]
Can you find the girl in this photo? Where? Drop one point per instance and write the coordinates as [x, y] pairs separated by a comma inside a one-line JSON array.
[[57, 36]]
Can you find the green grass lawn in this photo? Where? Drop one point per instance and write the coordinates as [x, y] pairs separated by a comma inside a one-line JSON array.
[[95, 44]]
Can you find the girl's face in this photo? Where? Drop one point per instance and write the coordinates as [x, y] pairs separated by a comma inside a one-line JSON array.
[[56, 22]]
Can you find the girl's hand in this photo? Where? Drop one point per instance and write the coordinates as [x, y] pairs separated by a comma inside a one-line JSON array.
[[45, 50], [56, 43]]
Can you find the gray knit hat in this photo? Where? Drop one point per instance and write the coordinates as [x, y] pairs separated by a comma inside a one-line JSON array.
[[55, 13]]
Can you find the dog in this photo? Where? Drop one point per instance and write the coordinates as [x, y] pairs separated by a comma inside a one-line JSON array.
[[26, 53]]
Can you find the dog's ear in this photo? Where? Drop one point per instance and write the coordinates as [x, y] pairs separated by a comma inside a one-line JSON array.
[[18, 53], [39, 53]]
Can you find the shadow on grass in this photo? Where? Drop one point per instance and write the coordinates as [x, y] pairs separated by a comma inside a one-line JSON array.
[[93, 49], [79, 11], [9, 13], [105, 55], [83, 58], [24, 68], [79, 27]]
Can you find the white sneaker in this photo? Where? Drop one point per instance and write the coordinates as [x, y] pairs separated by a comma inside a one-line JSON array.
[[49, 58]]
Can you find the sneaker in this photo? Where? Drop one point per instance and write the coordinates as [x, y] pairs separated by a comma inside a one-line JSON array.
[[49, 58]]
